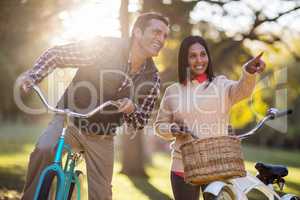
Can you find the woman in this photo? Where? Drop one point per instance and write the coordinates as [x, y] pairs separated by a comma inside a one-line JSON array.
[[199, 103]]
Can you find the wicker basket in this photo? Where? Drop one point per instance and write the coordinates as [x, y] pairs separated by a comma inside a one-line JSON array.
[[211, 159]]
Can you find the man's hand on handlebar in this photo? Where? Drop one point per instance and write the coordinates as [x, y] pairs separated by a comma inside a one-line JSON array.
[[126, 105], [25, 83]]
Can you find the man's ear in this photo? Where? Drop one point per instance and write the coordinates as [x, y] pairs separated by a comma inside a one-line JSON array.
[[137, 33]]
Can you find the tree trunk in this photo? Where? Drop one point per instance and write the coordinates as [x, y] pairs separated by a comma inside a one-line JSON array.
[[124, 18], [132, 151]]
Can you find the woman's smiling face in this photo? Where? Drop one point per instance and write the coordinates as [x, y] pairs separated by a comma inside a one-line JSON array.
[[197, 59]]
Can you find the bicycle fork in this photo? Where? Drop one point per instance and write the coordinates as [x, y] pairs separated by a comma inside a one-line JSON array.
[[64, 176]]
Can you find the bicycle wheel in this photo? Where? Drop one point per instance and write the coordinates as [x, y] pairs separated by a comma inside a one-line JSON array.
[[295, 198], [78, 174], [225, 194]]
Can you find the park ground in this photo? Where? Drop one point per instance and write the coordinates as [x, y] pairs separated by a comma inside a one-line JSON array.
[[17, 141]]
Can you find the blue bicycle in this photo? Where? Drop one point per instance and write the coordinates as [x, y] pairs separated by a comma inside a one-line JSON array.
[[67, 177]]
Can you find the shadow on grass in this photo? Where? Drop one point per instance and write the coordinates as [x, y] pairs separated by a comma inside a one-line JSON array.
[[12, 178], [148, 189]]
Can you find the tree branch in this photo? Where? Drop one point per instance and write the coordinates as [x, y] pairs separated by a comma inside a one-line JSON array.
[[220, 3], [258, 21], [279, 15]]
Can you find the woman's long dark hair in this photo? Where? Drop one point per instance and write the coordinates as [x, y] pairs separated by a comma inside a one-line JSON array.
[[183, 65]]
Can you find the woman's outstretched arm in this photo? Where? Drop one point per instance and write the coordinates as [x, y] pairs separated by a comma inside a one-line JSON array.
[[243, 88]]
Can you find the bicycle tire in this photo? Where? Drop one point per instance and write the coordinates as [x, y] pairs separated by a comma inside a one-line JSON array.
[[78, 173], [295, 198]]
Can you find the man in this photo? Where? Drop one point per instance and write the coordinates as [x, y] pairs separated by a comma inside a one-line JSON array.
[[117, 69]]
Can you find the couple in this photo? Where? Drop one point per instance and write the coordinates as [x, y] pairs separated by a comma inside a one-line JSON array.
[[137, 84]]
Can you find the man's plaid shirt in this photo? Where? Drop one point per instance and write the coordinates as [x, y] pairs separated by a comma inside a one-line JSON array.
[[85, 54]]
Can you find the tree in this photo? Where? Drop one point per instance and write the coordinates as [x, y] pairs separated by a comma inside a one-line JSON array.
[[132, 153], [25, 28]]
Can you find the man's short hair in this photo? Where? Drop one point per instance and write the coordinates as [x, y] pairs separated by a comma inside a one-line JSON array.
[[143, 20]]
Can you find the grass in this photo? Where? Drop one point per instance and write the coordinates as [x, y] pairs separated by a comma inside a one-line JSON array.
[[275, 156], [17, 142]]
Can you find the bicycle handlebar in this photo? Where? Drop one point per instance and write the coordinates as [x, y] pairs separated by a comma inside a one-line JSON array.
[[69, 112], [272, 113], [276, 113]]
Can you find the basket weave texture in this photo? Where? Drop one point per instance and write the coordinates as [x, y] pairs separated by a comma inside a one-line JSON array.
[[211, 159]]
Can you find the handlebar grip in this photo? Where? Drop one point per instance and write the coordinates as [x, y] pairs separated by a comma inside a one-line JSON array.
[[182, 130], [175, 128], [282, 113]]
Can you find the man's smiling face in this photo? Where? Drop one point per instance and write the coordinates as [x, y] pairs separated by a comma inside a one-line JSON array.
[[152, 39]]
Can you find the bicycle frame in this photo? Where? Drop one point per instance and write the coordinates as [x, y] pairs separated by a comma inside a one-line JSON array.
[[65, 176]]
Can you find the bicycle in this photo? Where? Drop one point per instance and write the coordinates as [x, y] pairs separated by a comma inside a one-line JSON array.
[[67, 176], [260, 186]]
